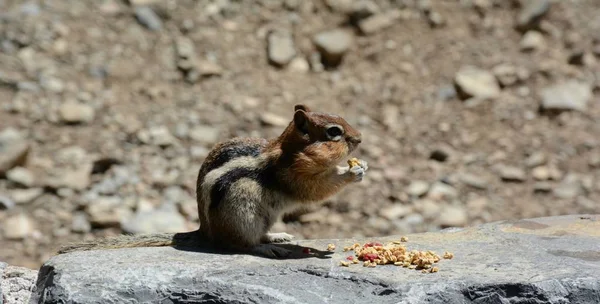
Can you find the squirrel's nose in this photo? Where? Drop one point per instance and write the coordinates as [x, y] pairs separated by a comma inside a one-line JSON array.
[[355, 139]]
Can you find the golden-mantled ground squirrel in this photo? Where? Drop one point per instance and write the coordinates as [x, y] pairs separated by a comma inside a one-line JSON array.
[[245, 184]]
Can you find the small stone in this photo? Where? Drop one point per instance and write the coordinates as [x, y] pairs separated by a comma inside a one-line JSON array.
[[417, 188], [75, 112], [570, 95], [80, 223], [299, 65], [541, 173], [204, 134], [206, 68], [532, 13], [594, 161], [6, 203], [395, 212], [158, 136], [14, 152], [157, 221], [435, 19], [511, 174], [25, 196], [107, 211], [473, 181], [148, 18], [440, 191], [379, 22], [280, 49], [471, 81], [17, 227], [271, 119], [508, 75], [141, 2], [362, 9], [75, 178], [542, 187], [535, 159], [428, 208], [570, 187], [21, 176], [532, 41], [333, 45], [453, 216]]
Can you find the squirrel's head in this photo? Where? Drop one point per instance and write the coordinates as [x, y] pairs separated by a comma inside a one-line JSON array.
[[325, 139]]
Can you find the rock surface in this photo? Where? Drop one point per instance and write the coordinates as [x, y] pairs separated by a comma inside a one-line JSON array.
[[16, 284], [543, 260]]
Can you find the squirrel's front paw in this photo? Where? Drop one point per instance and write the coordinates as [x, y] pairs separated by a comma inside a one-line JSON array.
[[358, 170]]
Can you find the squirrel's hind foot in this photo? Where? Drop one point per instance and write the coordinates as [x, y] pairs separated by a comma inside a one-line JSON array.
[[279, 237]]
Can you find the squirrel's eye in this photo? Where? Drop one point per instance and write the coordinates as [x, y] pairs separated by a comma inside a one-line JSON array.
[[334, 132]]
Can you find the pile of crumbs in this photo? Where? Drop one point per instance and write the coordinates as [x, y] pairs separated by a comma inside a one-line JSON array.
[[373, 253]]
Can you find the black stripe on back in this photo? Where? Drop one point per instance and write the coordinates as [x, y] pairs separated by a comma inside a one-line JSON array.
[[266, 178], [231, 152]]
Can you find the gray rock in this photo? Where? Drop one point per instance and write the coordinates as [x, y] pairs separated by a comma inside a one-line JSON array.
[[521, 261], [21, 176], [75, 112], [280, 47], [16, 284], [532, 41], [333, 45], [379, 21], [532, 13], [570, 95], [471, 81], [155, 221], [17, 227], [148, 18]]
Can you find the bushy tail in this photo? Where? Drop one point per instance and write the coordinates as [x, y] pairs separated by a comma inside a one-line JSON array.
[[185, 239]]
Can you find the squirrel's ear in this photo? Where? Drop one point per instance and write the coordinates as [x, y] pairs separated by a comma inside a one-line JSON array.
[[301, 121], [301, 107]]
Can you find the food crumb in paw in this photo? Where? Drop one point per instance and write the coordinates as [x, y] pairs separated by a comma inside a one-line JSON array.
[[331, 247], [353, 162]]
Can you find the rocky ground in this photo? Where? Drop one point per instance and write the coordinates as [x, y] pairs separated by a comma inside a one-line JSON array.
[[471, 111]]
